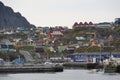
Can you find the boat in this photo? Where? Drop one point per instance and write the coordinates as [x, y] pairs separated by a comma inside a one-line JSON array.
[[110, 69], [112, 65]]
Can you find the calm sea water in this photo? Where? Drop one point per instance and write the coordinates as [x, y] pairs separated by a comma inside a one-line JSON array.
[[76, 74]]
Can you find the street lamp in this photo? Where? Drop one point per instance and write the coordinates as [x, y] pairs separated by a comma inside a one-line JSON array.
[[100, 53]]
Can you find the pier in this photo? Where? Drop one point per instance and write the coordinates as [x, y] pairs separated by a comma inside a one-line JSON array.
[[82, 65], [37, 68], [118, 69]]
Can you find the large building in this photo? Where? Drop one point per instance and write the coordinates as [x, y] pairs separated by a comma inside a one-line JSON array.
[[83, 24], [91, 24], [117, 21], [103, 25]]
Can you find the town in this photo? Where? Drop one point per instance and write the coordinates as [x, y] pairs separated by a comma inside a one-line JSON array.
[[85, 42], [25, 47], [59, 39]]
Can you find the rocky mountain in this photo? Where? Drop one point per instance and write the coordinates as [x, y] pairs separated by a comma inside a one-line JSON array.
[[9, 18]]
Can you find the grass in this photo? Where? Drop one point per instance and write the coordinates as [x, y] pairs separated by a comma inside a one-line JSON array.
[[26, 48]]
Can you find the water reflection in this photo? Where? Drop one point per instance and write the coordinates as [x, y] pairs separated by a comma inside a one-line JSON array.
[[3, 75], [68, 74]]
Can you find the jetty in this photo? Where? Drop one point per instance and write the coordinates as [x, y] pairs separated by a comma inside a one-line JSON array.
[[82, 65], [30, 68]]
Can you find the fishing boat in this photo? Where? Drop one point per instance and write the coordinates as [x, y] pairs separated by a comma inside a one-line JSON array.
[[112, 66]]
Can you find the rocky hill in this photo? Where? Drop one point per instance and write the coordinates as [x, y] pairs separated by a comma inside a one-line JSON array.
[[9, 18]]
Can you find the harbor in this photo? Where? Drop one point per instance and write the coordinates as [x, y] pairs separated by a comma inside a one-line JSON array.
[[82, 65], [41, 68], [110, 64], [59, 40]]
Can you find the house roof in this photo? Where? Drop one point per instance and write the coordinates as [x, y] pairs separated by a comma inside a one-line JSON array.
[[75, 24], [80, 23], [85, 23], [110, 38], [39, 41], [90, 23], [56, 33]]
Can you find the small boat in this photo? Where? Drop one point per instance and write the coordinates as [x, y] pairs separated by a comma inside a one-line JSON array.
[[111, 68]]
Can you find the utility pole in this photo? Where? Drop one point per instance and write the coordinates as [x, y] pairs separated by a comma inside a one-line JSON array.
[[100, 54]]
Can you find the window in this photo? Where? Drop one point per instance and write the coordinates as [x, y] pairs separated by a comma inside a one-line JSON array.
[[3, 46], [10, 46]]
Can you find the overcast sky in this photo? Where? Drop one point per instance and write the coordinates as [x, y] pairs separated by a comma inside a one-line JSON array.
[[65, 12]]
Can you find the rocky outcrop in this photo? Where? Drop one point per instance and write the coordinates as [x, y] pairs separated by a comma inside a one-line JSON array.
[[8, 18]]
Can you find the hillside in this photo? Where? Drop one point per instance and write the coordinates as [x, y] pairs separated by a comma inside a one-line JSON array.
[[102, 33]]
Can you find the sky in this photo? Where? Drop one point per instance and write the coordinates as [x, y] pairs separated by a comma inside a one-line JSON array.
[[65, 12]]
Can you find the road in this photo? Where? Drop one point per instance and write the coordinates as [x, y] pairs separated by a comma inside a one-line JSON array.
[[26, 55]]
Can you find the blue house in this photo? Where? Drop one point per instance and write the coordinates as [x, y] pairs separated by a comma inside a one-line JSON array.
[[89, 57]]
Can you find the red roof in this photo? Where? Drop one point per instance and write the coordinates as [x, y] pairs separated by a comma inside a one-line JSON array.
[[75, 24], [80, 23], [90, 23], [85, 23], [39, 41], [110, 38], [49, 33]]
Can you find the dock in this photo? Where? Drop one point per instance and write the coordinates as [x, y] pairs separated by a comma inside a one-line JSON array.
[[118, 69], [83, 65], [37, 68]]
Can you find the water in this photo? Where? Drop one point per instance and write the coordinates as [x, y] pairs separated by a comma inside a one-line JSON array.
[[76, 74]]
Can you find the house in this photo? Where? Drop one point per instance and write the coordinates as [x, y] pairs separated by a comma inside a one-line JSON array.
[[31, 36], [83, 24], [117, 21], [103, 25], [6, 30], [6, 46], [80, 38], [40, 43], [20, 29], [56, 34], [2, 31]]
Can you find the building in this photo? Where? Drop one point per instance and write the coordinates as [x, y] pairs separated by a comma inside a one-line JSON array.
[[83, 24], [117, 21], [93, 56], [56, 34], [6, 46], [103, 25]]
